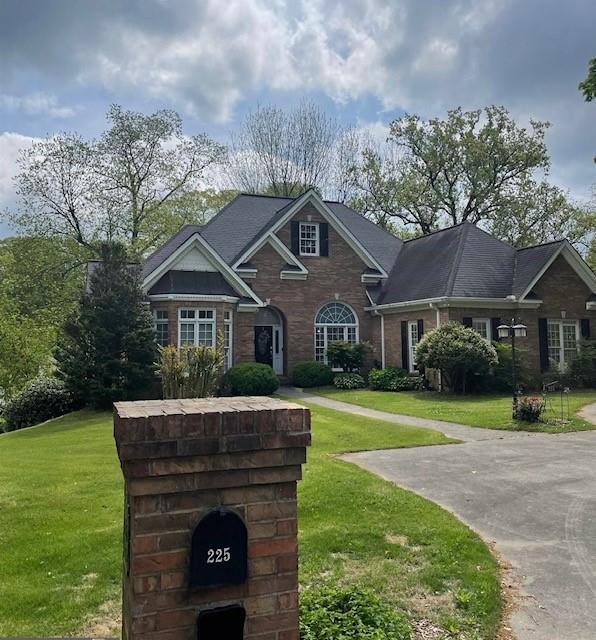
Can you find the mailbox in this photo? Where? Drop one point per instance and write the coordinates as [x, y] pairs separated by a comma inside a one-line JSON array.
[[224, 623], [218, 550]]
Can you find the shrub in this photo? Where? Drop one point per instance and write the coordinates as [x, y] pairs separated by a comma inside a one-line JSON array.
[[349, 381], [41, 400], [501, 378], [251, 379], [582, 370], [347, 356], [192, 372], [353, 613], [458, 352], [384, 379], [408, 383], [529, 408], [312, 374]]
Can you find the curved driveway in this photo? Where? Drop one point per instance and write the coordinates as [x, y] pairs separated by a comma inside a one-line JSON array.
[[533, 495]]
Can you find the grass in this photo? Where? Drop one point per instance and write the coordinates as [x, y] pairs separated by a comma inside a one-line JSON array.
[[489, 411], [61, 515]]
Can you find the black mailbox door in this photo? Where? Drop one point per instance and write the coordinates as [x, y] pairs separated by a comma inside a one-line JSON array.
[[226, 623], [218, 553]]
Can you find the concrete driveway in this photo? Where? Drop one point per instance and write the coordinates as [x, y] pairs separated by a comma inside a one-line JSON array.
[[535, 497]]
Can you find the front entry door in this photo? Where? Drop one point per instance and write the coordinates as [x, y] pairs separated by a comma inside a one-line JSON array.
[[264, 345]]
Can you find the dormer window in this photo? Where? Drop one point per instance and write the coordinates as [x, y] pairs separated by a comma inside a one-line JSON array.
[[309, 239]]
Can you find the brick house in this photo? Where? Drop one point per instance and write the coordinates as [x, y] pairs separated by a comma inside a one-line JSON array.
[[280, 278]]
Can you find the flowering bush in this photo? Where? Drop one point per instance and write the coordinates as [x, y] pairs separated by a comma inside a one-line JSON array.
[[349, 381], [529, 408]]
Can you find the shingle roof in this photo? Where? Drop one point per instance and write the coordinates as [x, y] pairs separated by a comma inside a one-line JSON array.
[[238, 225], [193, 282], [461, 261], [529, 263]]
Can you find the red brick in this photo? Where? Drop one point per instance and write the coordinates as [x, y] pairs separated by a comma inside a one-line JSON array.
[[287, 600], [173, 580], [160, 562], [277, 546], [287, 527], [261, 566], [272, 622], [287, 564], [146, 584], [176, 618], [289, 634], [145, 544], [271, 476], [271, 510]]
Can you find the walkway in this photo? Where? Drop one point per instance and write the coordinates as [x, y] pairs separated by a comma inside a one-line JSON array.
[[450, 429]]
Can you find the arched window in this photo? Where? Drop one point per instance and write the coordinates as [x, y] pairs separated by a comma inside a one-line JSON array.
[[335, 322]]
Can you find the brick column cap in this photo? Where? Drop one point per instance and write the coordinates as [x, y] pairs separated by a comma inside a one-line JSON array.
[[152, 429]]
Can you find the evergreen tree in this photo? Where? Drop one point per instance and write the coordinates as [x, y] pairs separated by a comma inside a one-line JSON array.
[[107, 349]]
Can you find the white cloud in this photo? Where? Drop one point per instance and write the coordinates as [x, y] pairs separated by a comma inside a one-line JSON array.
[[10, 146], [36, 104]]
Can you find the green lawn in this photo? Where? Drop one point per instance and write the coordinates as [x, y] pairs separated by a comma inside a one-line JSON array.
[[60, 524], [489, 411]]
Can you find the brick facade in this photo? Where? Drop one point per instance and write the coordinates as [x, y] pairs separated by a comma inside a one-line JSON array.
[[182, 459], [337, 277]]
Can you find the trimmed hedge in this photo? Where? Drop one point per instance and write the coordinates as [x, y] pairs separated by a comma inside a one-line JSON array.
[[41, 400], [251, 379], [349, 381], [312, 374]]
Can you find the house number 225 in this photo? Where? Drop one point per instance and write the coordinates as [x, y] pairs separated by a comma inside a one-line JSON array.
[[216, 556]]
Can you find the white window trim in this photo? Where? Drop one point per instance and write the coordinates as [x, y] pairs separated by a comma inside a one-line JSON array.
[[325, 325], [412, 347], [487, 323], [317, 239], [159, 321], [229, 348], [196, 321], [561, 322]]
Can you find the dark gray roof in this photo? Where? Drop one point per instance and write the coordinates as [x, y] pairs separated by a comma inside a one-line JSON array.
[[461, 261], [238, 225], [193, 282], [529, 263]]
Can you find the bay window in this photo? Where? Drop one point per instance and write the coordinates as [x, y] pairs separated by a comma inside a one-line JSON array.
[[196, 327]]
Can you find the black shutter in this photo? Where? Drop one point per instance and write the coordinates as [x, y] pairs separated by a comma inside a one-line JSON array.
[[585, 327], [467, 322], [543, 343], [323, 239], [404, 345], [494, 323], [295, 239], [420, 329]]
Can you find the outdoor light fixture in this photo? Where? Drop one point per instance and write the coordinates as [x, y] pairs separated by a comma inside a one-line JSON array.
[[513, 331]]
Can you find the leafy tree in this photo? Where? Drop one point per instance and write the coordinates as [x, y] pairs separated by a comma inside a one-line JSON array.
[[458, 352], [588, 86], [116, 187], [40, 282], [477, 166], [107, 349]]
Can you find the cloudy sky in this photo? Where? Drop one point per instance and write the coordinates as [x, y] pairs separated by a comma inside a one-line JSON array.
[[62, 62]]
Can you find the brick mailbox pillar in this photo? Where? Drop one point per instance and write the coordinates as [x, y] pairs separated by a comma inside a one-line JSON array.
[[210, 535]]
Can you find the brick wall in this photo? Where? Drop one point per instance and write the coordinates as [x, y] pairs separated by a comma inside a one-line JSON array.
[[180, 460], [393, 331], [336, 277], [560, 289]]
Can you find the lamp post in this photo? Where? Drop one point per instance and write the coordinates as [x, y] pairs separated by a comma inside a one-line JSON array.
[[513, 331]]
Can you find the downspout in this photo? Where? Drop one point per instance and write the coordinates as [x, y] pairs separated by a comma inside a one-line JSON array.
[[382, 341], [438, 324]]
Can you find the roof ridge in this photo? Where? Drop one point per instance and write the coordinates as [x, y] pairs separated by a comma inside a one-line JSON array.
[[541, 244], [458, 255], [433, 233], [267, 195]]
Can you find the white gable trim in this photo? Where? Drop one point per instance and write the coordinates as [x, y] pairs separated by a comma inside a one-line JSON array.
[[313, 197], [575, 261], [196, 240], [277, 245]]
